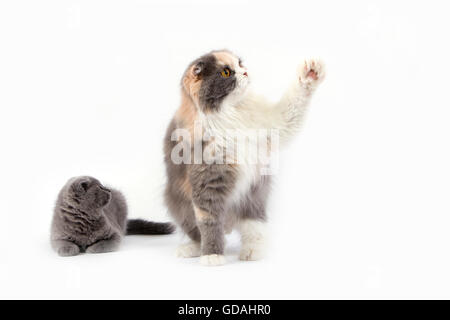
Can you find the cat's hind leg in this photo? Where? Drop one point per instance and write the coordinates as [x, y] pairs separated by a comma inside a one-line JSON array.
[[253, 238], [65, 248], [103, 246], [190, 249]]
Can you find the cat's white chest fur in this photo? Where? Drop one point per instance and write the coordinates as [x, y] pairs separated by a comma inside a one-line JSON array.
[[233, 141], [247, 176]]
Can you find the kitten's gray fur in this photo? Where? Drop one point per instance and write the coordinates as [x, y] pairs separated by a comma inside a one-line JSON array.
[[90, 217]]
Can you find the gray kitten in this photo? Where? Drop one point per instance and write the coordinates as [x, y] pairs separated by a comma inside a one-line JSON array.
[[92, 218]]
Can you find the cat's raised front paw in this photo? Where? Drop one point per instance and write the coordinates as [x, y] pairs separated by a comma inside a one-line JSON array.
[[212, 260], [311, 72], [189, 250]]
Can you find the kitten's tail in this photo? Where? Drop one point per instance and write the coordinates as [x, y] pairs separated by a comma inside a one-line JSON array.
[[139, 226]]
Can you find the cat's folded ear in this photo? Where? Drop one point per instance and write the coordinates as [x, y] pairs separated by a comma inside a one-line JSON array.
[[197, 68], [192, 76], [81, 185]]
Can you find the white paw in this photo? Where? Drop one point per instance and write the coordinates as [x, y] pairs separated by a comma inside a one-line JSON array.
[[212, 260], [251, 253], [311, 72], [189, 250]]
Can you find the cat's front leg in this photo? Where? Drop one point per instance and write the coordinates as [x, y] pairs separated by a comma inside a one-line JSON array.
[[107, 245], [292, 107], [211, 186], [212, 237], [65, 248], [311, 73]]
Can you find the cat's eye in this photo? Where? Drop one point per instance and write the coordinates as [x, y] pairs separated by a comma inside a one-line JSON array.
[[226, 73]]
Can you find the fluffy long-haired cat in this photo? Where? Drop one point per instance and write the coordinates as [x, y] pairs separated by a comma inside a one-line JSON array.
[[90, 217], [210, 197]]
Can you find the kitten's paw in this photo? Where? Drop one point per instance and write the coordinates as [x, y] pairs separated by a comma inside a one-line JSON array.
[[103, 246], [212, 260], [311, 72], [249, 253], [68, 251], [188, 250]]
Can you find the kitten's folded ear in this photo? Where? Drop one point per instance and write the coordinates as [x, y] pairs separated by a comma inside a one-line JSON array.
[[81, 185]]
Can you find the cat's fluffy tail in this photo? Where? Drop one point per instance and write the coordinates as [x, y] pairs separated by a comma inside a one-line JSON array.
[[139, 226]]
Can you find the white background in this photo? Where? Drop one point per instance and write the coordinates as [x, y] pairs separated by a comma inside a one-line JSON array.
[[360, 207]]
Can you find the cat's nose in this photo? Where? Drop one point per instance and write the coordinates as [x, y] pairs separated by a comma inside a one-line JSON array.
[[245, 74]]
